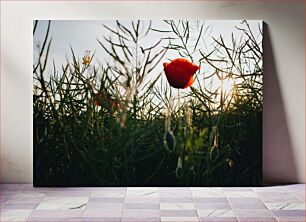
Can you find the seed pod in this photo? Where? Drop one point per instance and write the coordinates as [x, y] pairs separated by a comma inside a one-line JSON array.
[[169, 141]]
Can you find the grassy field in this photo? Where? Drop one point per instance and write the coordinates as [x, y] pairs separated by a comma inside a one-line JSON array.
[[119, 124]]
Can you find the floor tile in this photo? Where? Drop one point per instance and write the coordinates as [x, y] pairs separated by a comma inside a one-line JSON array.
[[285, 206], [253, 213], [179, 213], [291, 219], [56, 213], [29, 187], [245, 200], [3, 200], [279, 189], [140, 219], [175, 194], [20, 206], [176, 200], [103, 212], [256, 219], [141, 206], [289, 213], [240, 194], [107, 193], [248, 206], [62, 203], [179, 219], [91, 205], [30, 200], [106, 200], [224, 205], [23, 202], [210, 200], [68, 193], [101, 219], [219, 219], [207, 192], [238, 189], [54, 219], [296, 187], [142, 200], [300, 195], [275, 197], [216, 213], [25, 194], [10, 186], [142, 213], [176, 189], [177, 206], [135, 192], [14, 214]]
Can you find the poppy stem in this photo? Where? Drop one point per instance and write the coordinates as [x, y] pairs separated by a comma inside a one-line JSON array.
[[178, 95]]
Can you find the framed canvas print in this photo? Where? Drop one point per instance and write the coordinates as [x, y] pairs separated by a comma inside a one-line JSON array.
[[147, 102]]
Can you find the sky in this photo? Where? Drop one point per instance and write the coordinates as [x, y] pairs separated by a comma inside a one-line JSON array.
[[82, 36]]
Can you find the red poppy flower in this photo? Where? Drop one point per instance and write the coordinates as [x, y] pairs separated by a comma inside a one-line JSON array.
[[180, 72], [103, 100], [106, 102]]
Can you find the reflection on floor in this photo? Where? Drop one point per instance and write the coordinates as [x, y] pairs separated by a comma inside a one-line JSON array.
[[22, 202]]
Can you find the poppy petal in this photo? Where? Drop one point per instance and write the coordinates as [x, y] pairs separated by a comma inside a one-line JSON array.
[[196, 68], [191, 81], [165, 64], [180, 72]]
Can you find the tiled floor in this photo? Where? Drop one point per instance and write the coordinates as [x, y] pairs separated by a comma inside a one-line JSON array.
[[22, 202]]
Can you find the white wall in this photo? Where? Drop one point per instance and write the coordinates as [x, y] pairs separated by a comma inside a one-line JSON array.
[[284, 81]]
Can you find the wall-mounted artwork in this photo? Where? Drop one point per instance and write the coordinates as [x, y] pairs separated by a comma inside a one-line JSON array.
[[147, 103]]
